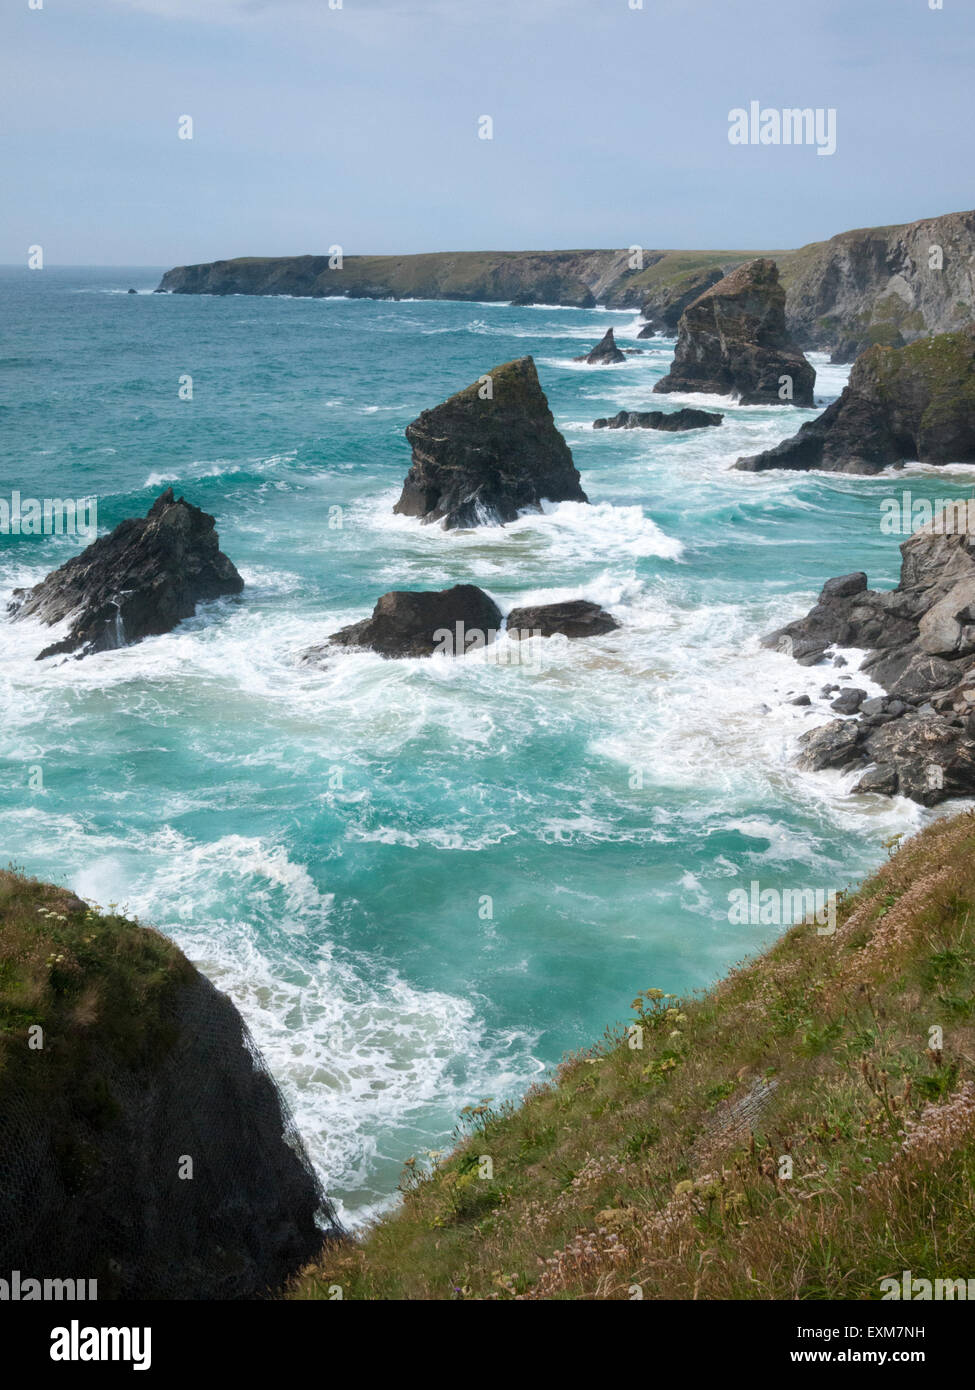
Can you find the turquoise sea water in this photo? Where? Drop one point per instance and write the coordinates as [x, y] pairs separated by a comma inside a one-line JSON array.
[[323, 843]]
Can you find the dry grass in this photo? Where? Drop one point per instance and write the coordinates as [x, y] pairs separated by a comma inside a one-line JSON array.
[[798, 1133]]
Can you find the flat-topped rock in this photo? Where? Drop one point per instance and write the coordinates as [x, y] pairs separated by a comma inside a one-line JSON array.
[[488, 453], [732, 341], [139, 581], [573, 618], [674, 421]]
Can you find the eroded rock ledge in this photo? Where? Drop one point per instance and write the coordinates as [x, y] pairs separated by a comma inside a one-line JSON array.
[[919, 739]]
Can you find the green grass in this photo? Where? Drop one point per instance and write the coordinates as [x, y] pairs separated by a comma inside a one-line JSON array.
[[660, 1170]]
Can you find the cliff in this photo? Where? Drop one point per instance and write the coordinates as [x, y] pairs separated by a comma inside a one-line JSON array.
[[873, 285], [143, 1144], [787, 1136]]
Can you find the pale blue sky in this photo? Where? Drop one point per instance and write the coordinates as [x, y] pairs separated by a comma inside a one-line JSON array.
[[358, 126]]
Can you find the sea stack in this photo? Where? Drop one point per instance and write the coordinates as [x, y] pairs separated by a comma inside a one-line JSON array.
[[732, 341], [605, 353], [900, 404], [488, 453], [139, 581]]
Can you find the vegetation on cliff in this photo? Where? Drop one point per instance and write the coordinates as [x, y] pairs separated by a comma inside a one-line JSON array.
[[663, 1171]]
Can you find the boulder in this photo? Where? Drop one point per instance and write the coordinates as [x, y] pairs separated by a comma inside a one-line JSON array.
[[407, 622], [488, 453], [732, 341], [674, 420], [900, 404], [605, 353], [139, 581], [919, 639], [574, 618]]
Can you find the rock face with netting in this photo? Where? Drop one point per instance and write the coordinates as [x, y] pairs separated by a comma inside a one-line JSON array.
[[143, 1143]]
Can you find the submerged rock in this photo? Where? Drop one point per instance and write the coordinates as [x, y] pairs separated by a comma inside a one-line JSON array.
[[911, 403], [139, 581], [605, 353], [675, 420], [409, 622], [920, 645], [732, 341], [487, 453], [573, 618]]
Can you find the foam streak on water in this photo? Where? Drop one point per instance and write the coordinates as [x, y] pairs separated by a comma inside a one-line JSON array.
[[420, 881]]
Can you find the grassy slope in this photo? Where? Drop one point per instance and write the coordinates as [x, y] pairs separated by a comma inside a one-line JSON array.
[[660, 1166], [83, 975]]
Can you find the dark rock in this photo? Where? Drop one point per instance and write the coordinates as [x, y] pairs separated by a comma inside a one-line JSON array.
[[849, 701], [675, 420], [664, 308], [480, 460], [920, 644], [912, 403], [879, 779], [574, 618], [605, 353], [408, 622], [132, 291], [139, 581], [732, 340], [801, 700]]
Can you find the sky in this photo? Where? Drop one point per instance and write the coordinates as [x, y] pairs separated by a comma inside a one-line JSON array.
[[358, 126]]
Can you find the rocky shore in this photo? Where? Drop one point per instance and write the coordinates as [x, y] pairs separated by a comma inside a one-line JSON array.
[[918, 739]]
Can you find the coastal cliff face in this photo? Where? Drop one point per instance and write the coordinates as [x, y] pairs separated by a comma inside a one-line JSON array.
[[577, 279], [884, 285], [142, 1142]]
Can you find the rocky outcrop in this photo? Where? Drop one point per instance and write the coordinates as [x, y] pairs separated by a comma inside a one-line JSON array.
[[573, 618], [674, 420], [143, 1143], [139, 581], [732, 341], [663, 309], [409, 622], [488, 453], [918, 739], [605, 353], [916, 402], [883, 285]]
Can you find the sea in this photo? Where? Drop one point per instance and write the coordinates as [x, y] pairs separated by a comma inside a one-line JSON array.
[[422, 882]]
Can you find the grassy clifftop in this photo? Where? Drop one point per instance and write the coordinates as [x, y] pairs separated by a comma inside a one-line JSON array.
[[75, 972], [798, 1133]]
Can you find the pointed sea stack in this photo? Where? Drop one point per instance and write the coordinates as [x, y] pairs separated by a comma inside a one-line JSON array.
[[732, 341], [139, 581], [487, 453], [605, 353]]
